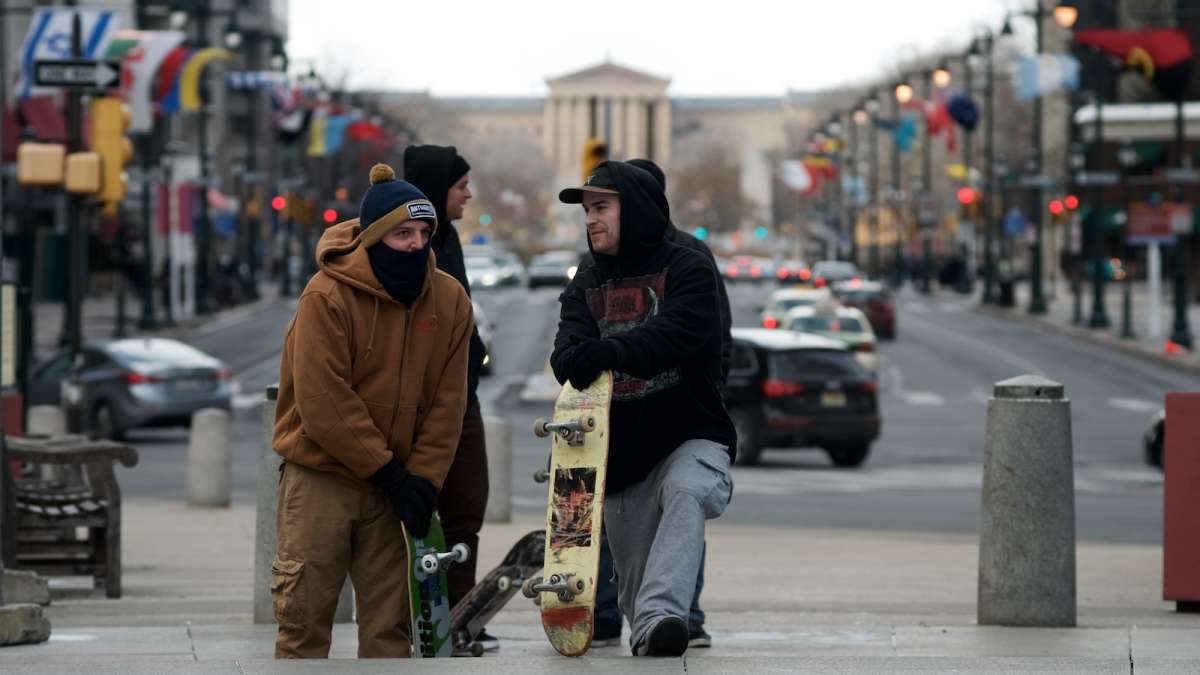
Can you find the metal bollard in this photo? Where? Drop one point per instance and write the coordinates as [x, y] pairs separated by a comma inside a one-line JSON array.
[[498, 433], [210, 459], [266, 537], [1027, 538]]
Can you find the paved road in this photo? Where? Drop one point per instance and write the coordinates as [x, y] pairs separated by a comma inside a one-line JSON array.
[[924, 472]]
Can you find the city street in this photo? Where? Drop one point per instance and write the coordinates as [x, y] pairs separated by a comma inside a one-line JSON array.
[[923, 474]]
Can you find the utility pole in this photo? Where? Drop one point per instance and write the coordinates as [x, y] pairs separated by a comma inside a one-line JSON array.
[[1037, 299], [77, 248]]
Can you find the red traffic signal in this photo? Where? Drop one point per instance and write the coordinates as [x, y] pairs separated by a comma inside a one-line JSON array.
[[966, 195], [1056, 207], [330, 215], [279, 203], [1071, 201]]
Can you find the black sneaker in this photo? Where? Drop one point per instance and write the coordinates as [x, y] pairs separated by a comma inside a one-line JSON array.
[[489, 642], [668, 637], [606, 634], [698, 638]]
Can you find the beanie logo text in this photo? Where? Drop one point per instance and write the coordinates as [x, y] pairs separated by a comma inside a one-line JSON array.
[[421, 210]]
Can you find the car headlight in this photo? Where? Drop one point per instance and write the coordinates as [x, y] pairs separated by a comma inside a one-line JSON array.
[[571, 271], [488, 280]]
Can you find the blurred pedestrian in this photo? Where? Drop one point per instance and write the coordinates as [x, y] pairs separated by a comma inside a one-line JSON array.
[[444, 176], [648, 310], [372, 389]]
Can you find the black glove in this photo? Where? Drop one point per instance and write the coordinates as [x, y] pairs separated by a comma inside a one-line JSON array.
[[413, 498], [591, 357]]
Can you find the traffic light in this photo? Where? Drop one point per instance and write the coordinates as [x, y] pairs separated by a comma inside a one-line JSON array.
[[1056, 207], [330, 216], [965, 196], [1071, 202], [595, 150], [110, 121]]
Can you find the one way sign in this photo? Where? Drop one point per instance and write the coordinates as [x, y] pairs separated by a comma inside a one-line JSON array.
[[77, 73]]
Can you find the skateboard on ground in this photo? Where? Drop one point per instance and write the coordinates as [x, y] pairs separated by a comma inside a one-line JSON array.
[[566, 590], [428, 598], [488, 597]]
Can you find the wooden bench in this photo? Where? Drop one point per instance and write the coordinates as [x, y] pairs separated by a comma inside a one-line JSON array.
[[70, 525]]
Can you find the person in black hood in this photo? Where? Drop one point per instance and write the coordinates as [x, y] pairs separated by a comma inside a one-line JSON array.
[[608, 616], [648, 310], [444, 176]]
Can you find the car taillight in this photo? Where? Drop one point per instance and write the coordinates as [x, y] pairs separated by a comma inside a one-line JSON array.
[[134, 377], [820, 282], [773, 388], [732, 270], [224, 374], [770, 322], [865, 347], [755, 271], [870, 387], [782, 274], [805, 275]]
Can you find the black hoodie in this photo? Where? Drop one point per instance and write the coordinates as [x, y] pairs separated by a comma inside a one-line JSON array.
[[429, 168], [657, 303]]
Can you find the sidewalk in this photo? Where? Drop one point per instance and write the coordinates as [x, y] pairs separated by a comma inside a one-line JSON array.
[[100, 317], [778, 599], [1060, 310]]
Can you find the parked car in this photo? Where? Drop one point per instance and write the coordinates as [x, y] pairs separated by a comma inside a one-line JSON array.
[[797, 390], [553, 268], [786, 299], [486, 330], [793, 272], [830, 272], [875, 300], [511, 271], [847, 325], [137, 382], [1153, 439], [748, 268]]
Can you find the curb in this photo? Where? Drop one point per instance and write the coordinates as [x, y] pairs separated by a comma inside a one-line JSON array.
[[1190, 363]]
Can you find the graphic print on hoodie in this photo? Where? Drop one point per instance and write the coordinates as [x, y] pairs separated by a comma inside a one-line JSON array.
[[657, 303]]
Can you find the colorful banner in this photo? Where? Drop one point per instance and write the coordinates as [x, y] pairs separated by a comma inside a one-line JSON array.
[[139, 65], [189, 79], [1045, 74]]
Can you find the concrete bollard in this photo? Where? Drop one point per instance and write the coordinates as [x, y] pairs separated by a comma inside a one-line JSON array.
[[46, 420], [210, 459], [266, 538], [498, 433], [1027, 538]]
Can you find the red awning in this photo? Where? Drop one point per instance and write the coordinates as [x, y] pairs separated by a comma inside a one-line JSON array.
[[41, 113], [12, 136]]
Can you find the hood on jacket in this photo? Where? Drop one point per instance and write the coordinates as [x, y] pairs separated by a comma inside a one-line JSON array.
[[340, 254], [432, 169], [645, 216]]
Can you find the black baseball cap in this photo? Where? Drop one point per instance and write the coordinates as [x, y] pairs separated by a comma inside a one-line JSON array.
[[600, 181]]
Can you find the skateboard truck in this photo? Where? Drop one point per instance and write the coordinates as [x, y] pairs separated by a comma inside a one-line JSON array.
[[571, 431], [432, 563], [565, 586]]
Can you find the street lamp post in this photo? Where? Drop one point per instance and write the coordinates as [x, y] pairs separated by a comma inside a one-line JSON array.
[[1096, 231], [1181, 332], [1126, 158], [851, 195], [988, 204], [903, 94], [1064, 15], [925, 216], [1078, 162], [871, 108]]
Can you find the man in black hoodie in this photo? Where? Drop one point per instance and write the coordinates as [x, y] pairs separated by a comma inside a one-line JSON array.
[[442, 174], [648, 310]]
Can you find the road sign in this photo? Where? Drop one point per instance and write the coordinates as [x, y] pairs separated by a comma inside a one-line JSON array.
[[1039, 181], [77, 73], [1159, 224], [1097, 178]]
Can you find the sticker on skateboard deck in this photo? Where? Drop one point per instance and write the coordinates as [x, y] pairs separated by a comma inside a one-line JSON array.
[[429, 599], [566, 590]]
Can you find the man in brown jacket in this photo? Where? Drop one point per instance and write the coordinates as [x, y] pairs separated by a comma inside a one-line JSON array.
[[372, 392]]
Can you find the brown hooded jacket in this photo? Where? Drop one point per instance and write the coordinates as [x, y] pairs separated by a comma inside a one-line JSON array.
[[364, 378]]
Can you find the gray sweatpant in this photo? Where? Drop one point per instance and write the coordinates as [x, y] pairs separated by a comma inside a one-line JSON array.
[[656, 531]]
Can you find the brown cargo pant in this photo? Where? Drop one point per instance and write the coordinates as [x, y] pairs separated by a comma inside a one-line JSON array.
[[463, 501], [328, 527]]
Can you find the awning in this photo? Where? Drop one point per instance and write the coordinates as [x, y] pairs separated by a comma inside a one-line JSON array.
[[41, 113], [12, 135]]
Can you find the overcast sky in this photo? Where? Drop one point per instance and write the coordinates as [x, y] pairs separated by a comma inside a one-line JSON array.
[[747, 47]]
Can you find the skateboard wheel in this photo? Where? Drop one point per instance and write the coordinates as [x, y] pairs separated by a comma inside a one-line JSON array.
[[580, 585], [527, 587], [462, 553], [541, 476], [429, 564], [539, 428], [504, 583], [587, 423], [476, 649]]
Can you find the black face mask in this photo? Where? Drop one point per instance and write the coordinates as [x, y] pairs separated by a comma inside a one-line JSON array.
[[402, 273]]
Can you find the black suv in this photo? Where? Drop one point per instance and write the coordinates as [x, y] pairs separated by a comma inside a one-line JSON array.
[[789, 389]]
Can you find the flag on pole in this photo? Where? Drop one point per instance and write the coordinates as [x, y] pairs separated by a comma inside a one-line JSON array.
[[1044, 74]]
